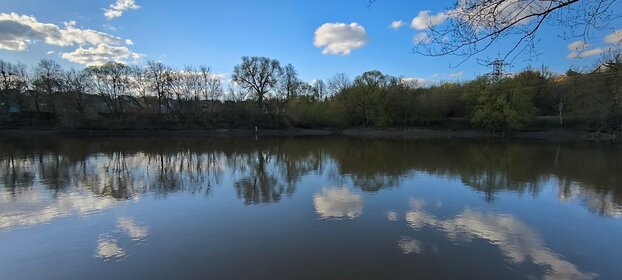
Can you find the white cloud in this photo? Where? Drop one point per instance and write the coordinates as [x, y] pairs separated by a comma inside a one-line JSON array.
[[578, 46], [495, 15], [338, 203], [340, 38], [50, 52], [456, 74], [397, 24], [587, 53], [118, 8], [413, 82], [615, 37], [424, 20], [17, 32], [101, 54]]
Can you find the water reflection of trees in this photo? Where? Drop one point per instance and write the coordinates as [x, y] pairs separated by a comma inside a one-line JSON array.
[[268, 169]]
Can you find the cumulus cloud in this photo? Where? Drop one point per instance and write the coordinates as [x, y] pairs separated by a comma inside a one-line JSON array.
[[336, 203], [483, 16], [101, 54], [578, 46], [17, 32], [340, 38], [425, 20], [413, 82], [587, 53], [118, 8], [614, 38], [397, 24]]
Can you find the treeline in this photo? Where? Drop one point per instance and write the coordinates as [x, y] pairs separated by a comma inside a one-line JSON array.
[[266, 94]]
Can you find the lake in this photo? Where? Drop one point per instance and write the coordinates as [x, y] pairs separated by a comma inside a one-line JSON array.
[[308, 208]]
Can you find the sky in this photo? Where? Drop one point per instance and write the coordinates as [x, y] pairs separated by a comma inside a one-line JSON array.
[[320, 38]]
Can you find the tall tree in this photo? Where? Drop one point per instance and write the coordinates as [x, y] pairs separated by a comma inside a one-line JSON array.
[[160, 76], [258, 74], [76, 84], [111, 81], [338, 83], [288, 87], [47, 79]]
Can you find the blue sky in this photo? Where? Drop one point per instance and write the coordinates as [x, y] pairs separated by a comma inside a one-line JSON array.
[[218, 33]]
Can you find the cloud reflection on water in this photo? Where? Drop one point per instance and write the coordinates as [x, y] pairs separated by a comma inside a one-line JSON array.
[[338, 203], [518, 242]]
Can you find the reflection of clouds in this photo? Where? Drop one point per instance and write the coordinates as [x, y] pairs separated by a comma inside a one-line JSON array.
[[338, 203], [417, 218], [516, 240], [392, 216], [107, 248], [130, 228], [409, 245], [31, 209]]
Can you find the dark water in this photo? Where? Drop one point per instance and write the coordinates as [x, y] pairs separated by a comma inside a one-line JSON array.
[[308, 208]]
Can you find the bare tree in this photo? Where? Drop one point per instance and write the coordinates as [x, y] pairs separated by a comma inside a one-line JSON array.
[[214, 90], [210, 86], [111, 81], [160, 77], [139, 82], [338, 82], [47, 79], [76, 84], [288, 87], [472, 26], [236, 93], [258, 74], [6, 74]]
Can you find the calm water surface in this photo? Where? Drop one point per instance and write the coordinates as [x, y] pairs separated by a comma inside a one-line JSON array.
[[308, 208]]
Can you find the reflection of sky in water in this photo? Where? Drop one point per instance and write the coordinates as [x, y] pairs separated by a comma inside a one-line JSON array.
[[35, 207], [134, 231], [107, 248], [338, 203], [256, 209], [516, 240]]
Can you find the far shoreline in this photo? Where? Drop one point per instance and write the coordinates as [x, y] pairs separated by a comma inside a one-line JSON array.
[[409, 133]]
